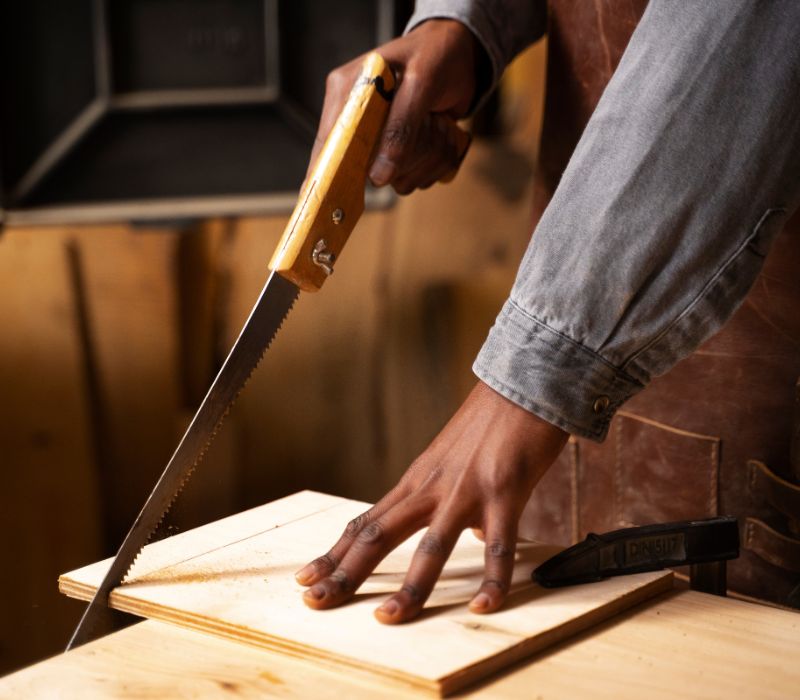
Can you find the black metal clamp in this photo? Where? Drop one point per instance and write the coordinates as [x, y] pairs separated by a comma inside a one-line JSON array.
[[705, 545]]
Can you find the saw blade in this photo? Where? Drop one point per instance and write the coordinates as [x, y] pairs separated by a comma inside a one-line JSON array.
[[328, 208], [271, 308]]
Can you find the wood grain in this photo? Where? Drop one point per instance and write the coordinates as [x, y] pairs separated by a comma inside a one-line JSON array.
[[132, 313], [46, 449], [682, 643], [234, 578]]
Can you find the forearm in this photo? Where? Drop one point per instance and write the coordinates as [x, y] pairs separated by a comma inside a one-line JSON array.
[[660, 223]]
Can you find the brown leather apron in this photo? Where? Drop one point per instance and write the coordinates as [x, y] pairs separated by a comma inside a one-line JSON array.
[[712, 436]]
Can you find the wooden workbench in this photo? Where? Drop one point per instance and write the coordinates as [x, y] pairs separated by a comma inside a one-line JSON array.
[[683, 643]]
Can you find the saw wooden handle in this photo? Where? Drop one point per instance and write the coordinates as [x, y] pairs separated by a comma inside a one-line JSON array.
[[332, 198]]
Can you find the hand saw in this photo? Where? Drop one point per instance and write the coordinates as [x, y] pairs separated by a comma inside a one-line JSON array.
[[330, 203]]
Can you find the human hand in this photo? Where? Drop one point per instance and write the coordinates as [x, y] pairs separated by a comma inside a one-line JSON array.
[[478, 472], [435, 66]]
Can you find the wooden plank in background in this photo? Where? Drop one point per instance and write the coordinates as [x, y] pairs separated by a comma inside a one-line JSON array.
[[234, 578], [213, 491], [132, 311], [49, 515]]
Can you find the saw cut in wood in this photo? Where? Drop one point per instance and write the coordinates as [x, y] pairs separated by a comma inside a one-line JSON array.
[[234, 578]]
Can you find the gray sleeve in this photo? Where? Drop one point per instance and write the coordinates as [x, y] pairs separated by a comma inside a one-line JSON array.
[[687, 169], [503, 27]]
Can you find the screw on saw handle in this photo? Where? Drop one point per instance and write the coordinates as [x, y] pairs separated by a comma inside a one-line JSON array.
[[332, 198]]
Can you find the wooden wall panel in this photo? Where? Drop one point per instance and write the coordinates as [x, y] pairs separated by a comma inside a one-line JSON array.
[[131, 296], [49, 513], [202, 279]]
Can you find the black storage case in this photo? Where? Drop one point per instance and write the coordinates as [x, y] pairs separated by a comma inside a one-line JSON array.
[[118, 110]]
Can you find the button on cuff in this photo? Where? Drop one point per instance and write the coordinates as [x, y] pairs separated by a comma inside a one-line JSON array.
[[551, 375]]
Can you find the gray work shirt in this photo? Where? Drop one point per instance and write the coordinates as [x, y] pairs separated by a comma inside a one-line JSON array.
[[686, 171]]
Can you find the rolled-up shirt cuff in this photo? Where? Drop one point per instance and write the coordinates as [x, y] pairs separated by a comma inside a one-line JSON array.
[[552, 375]]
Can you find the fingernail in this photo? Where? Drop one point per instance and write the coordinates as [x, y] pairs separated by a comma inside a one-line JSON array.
[[390, 607], [382, 171], [480, 601], [315, 592], [305, 574]]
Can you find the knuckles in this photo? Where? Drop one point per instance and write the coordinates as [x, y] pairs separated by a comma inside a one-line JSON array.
[[356, 524], [502, 480], [495, 583], [498, 550], [413, 592], [432, 544], [341, 581], [326, 562], [410, 79], [336, 80], [434, 474], [372, 534], [397, 133]]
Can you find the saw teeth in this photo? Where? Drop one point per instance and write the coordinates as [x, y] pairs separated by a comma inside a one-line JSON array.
[[205, 448]]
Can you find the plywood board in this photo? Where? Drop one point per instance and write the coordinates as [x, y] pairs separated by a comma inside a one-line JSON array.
[[234, 578]]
